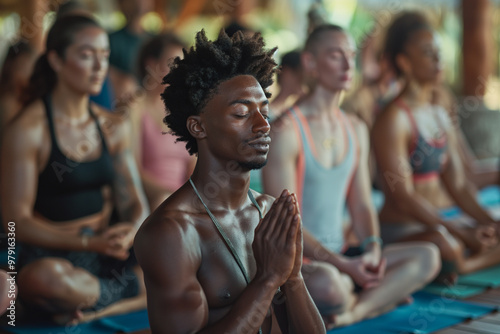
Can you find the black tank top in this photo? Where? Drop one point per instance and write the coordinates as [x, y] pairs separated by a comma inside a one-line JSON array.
[[69, 189]]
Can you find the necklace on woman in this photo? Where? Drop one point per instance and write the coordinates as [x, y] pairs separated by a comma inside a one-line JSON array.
[[74, 122]]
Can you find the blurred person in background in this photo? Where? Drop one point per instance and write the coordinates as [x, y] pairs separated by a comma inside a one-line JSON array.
[[378, 87], [164, 164], [74, 7], [481, 173], [321, 153], [290, 81], [69, 181], [417, 151], [124, 48]]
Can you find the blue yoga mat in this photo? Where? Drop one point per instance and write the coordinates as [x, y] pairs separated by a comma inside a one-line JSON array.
[[469, 285], [489, 278], [487, 197], [125, 323], [428, 313], [460, 291], [475, 283]]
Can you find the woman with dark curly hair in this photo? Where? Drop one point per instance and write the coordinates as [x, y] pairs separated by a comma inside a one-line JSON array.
[[217, 256], [417, 152], [69, 182]]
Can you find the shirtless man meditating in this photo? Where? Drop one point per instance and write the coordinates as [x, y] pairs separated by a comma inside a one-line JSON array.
[[218, 257]]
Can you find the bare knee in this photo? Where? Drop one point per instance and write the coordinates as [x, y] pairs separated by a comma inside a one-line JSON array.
[[428, 258], [43, 278], [331, 290], [55, 284]]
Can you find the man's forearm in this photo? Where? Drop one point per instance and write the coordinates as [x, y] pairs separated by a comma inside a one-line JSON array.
[[249, 311], [302, 314]]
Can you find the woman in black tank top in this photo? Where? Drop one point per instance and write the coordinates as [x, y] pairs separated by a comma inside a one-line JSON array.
[[66, 174]]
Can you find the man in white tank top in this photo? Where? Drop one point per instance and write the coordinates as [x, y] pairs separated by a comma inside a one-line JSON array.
[[322, 154]]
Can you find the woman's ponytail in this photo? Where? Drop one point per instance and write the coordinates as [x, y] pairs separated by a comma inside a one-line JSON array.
[[42, 81]]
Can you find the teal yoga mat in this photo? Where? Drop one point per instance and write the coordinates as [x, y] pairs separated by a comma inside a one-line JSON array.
[[460, 291], [487, 197], [125, 323], [489, 278], [475, 283], [469, 285], [428, 313]]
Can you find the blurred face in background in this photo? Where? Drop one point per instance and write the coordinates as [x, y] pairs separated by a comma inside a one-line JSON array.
[[333, 62], [167, 57], [85, 63], [421, 60], [135, 8], [156, 69]]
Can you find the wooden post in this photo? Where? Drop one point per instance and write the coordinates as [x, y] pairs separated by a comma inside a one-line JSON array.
[[32, 13], [477, 46]]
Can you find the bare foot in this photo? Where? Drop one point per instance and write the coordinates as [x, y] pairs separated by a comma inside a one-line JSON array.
[[406, 301]]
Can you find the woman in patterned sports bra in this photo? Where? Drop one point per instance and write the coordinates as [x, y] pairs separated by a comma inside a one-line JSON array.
[[416, 148], [69, 183]]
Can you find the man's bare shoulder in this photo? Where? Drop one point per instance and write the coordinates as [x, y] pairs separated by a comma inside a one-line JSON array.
[[264, 200], [174, 223], [168, 249], [173, 215]]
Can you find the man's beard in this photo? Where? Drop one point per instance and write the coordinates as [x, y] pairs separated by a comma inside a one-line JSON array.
[[252, 165]]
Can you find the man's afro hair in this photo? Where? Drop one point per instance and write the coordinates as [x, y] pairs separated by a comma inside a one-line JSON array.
[[193, 80]]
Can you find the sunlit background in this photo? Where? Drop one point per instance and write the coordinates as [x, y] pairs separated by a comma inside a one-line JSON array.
[[283, 23]]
